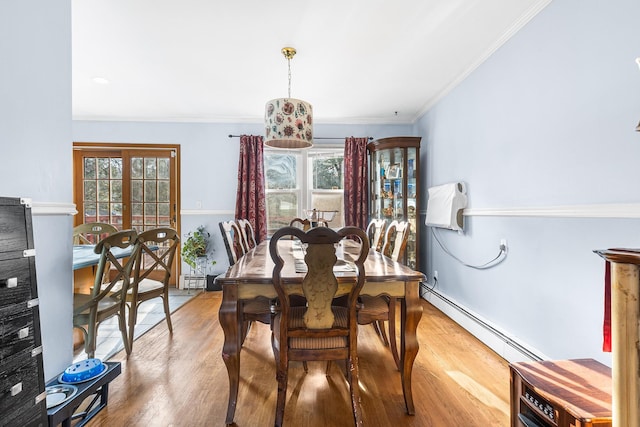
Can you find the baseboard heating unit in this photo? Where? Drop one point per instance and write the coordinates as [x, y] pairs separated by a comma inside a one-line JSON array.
[[499, 341]]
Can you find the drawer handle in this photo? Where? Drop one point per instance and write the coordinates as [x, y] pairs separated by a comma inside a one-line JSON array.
[[42, 396], [11, 282], [23, 333], [16, 389], [36, 351], [28, 253]]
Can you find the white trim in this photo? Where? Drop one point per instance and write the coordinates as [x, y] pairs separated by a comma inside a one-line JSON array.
[[619, 210], [53, 208], [524, 19], [206, 212], [508, 347]]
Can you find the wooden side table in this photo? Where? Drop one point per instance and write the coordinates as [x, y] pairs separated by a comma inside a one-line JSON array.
[[98, 388], [563, 393]]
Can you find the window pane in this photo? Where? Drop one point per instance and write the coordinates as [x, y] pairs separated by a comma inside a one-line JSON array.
[[150, 213], [163, 168], [90, 191], [327, 173], [163, 214], [136, 167], [90, 212], [163, 191], [136, 214], [116, 191], [280, 171], [103, 168], [136, 190], [281, 209], [116, 215], [150, 191], [103, 212], [116, 168], [103, 190], [150, 168], [90, 168]]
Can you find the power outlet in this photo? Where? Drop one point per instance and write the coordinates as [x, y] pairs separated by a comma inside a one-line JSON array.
[[503, 244], [435, 274]]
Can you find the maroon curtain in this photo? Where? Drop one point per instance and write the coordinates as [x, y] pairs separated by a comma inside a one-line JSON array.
[[356, 191], [250, 200]]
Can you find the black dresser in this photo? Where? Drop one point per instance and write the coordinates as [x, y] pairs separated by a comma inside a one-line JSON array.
[[22, 386]]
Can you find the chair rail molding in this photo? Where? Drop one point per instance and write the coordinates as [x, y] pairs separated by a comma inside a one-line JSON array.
[[53, 208], [610, 210], [207, 212]]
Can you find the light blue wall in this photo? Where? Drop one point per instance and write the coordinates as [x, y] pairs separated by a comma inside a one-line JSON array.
[[547, 120], [35, 130], [209, 162]]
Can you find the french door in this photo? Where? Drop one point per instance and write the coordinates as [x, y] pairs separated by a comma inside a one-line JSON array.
[[128, 186]]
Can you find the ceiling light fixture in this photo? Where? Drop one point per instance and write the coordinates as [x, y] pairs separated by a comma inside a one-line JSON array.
[[288, 122]]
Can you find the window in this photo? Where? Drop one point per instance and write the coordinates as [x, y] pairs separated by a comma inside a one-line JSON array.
[[296, 181]]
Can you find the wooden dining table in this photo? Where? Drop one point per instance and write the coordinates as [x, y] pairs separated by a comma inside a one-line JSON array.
[[250, 277]]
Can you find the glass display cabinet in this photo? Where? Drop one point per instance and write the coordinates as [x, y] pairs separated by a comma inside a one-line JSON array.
[[394, 185]]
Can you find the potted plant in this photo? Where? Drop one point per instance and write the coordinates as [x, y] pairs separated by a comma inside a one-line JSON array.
[[195, 251]]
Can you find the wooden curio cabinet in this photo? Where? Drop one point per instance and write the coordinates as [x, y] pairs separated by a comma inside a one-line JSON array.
[[394, 185]]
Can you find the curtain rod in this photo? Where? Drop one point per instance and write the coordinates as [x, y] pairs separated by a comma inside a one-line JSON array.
[[326, 137]]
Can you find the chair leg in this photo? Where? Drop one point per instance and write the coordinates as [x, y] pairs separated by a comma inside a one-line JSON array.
[[282, 378], [392, 331], [167, 312], [354, 389], [123, 329], [132, 322], [378, 325], [90, 338]]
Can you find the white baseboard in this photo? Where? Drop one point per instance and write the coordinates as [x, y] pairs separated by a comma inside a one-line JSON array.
[[508, 347]]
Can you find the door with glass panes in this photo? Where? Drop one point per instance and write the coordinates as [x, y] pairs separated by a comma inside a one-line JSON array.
[[128, 188]]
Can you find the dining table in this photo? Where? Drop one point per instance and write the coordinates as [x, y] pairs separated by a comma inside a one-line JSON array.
[[85, 256], [251, 277]]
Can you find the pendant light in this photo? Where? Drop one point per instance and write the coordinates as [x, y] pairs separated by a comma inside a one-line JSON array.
[[288, 122]]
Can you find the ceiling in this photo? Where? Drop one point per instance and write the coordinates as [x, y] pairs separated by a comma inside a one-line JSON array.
[[358, 61]]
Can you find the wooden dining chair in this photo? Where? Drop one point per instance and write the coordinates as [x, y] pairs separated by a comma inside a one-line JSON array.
[[89, 310], [303, 224], [376, 310], [257, 309], [91, 232], [319, 330], [247, 233], [232, 240], [375, 233], [151, 274]]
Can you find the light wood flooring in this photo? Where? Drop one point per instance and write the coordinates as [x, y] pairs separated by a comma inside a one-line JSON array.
[[181, 380]]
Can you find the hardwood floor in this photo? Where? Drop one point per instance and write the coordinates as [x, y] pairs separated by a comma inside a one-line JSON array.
[[181, 380]]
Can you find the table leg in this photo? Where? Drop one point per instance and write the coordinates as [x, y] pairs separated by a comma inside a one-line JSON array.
[[230, 322], [411, 312]]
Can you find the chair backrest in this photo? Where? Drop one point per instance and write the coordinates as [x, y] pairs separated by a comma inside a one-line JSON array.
[[375, 233], [91, 232], [112, 269], [320, 285], [158, 263], [395, 239], [302, 224], [232, 240], [248, 235]]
